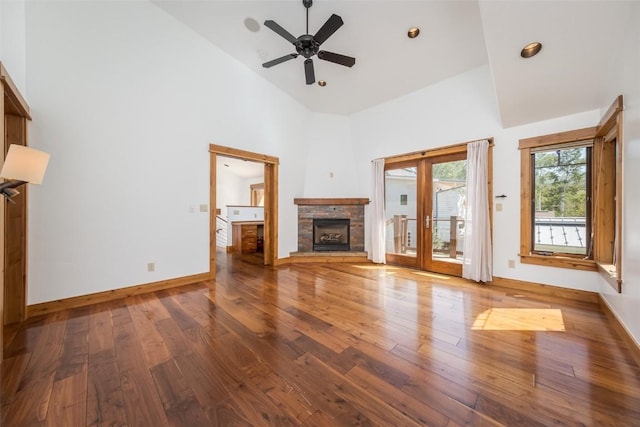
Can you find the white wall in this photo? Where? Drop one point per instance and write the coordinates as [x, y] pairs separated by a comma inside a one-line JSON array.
[[230, 190], [126, 100], [12, 41], [624, 80], [330, 168], [456, 110]]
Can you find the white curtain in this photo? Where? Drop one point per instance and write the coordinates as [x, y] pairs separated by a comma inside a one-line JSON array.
[[377, 254], [477, 259]]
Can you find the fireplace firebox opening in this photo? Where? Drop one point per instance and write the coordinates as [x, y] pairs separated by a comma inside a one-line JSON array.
[[331, 234]]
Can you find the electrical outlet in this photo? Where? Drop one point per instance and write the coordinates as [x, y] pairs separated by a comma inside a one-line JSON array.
[[204, 208], [512, 263], [151, 266], [498, 207]]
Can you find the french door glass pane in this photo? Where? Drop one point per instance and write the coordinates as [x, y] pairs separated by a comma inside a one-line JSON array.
[[449, 204], [401, 211]]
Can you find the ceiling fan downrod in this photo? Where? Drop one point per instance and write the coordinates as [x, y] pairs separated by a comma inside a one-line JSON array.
[[307, 4]]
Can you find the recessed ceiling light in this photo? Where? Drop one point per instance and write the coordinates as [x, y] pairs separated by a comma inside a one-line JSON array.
[[413, 32], [252, 25], [531, 49], [322, 83]]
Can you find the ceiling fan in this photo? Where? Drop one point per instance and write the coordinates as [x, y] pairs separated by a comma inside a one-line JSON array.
[[308, 45]]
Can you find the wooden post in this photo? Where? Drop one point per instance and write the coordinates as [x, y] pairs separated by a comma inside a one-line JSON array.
[[405, 234], [453, 233], [397, 234]]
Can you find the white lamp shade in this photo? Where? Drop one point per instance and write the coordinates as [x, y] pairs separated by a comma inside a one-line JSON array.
[[25, 164]]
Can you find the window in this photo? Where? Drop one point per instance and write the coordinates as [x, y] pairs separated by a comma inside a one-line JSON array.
[[257, 194], [572, 198], [561, 192]]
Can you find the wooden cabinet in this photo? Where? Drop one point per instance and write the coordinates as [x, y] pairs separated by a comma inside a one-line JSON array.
[[247, 236]]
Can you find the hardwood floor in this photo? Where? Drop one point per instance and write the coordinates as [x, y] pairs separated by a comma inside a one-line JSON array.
[[321, 345]]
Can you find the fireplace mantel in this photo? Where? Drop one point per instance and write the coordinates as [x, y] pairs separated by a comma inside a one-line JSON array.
[[334, 201]]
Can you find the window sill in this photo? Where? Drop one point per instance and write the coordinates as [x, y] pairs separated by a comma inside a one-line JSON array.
[[610, 274], [559, 261]]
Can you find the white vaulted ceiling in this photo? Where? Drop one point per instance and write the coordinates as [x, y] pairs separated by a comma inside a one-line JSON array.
[[568, 76]]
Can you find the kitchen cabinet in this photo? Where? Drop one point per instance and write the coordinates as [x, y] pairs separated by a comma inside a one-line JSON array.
[[247, 236]]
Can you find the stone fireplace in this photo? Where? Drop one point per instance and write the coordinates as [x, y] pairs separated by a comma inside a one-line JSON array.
[[330, 227]]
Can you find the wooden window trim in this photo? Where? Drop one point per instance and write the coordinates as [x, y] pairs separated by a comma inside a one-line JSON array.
[[559, 261], [254, 189], [526, 146], [609, 129]]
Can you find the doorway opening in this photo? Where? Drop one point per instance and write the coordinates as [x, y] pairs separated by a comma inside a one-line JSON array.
[[249, 229], [240, 206]]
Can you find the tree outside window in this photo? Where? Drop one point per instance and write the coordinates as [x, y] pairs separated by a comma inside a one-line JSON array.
[[561, 194]]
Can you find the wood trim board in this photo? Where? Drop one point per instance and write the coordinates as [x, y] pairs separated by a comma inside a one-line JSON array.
[[16, 101], [329, 201], [622, 331], [113, 294]]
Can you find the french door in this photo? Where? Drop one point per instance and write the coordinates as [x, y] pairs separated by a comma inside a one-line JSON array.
[[425, 202]]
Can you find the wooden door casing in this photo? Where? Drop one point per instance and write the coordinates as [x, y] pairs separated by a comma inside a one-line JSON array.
[[15, 228]]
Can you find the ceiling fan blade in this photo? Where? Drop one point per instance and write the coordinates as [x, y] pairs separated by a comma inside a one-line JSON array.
[[279, 30], [331, 26], [280, 60], [347, 61], [308, 71]]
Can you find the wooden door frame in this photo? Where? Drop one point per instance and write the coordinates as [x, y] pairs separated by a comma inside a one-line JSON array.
[[271, 164], [12, 105], [417, 156], [15, 232]]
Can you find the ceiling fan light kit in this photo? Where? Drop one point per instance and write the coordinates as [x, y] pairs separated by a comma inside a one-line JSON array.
[[309, 46]]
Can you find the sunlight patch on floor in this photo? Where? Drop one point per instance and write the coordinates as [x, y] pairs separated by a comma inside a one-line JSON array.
[[374, 267], [384, 269], [435, 276], [519, 319]]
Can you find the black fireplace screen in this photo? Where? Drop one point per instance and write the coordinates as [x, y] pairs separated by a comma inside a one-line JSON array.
[[331, 234]]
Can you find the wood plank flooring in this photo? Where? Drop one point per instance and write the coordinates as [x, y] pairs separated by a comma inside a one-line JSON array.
[[321, 345]]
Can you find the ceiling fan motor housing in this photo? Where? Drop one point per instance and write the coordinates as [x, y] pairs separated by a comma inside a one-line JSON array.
[[307, 46]]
